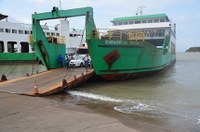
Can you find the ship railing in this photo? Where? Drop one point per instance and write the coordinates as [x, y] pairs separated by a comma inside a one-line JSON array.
[[51, 39], [50, 28], [120, 35], [56, 39]]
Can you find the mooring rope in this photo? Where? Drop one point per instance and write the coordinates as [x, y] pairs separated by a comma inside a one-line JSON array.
[[11, 71]]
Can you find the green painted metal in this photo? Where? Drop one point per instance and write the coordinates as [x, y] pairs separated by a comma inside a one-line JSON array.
[[48, 52], [139, 17], [17, 56], [166, 44], [132, 56], [135, 57]]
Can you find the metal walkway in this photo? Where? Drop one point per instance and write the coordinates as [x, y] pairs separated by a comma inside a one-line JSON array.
[[49, 82]]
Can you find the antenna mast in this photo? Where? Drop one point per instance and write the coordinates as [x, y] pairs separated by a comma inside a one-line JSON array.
[[140, 10], [60, 4]]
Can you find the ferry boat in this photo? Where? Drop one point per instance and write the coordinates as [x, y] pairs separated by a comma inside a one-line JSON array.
[[133, 46], [15, 39]]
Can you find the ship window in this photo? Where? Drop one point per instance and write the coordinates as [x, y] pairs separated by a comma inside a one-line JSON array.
[[125, 23], [137, 22], [24, 47], [57, 34], [56, 28], [120, 23], [147, 33], [20, 31], [14, 31], [162, 20], [52, 34], [26, 32], [71, 35], [151, 33], [144, 21], [130, 22], [156, 20], [12, 46], [1, 47], [161, 32], [1, 30], [48, 33], [149, 21], [7, 30]]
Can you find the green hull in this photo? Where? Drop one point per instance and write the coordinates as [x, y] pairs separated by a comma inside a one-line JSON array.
[[116, 59], [17, 57]]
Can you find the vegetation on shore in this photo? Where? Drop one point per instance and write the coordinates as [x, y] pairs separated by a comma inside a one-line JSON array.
[[193, 49]]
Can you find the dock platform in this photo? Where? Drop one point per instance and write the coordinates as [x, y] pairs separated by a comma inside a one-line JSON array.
[[47, 83]]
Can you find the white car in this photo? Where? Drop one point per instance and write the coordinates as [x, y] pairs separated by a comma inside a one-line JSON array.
[[78, 61]]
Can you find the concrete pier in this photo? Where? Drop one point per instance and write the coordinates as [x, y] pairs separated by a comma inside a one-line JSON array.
[[47, 83]]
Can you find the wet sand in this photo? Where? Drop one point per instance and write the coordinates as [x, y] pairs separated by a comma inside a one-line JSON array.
[[23, 113]]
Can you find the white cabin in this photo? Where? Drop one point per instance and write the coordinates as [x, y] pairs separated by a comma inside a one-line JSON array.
[[14, 37], [153, 28]]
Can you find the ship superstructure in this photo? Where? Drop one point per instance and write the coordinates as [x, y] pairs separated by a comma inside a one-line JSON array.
[[15, 39]]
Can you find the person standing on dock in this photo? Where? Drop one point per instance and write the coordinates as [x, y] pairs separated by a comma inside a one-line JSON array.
[[67, 61], [60, 61], [86, 62]]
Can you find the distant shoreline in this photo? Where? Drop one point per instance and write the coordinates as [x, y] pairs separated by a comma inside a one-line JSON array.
[[193, 49]]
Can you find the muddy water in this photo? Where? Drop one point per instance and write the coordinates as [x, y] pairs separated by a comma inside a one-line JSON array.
[[168, 101]]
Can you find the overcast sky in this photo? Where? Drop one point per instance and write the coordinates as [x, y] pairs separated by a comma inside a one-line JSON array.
[[185, 13]]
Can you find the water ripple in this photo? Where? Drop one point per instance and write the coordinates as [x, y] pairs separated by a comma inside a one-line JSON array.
[[136, 107], [94, 96]]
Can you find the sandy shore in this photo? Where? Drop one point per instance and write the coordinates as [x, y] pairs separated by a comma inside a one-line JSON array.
[[30, 114]]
